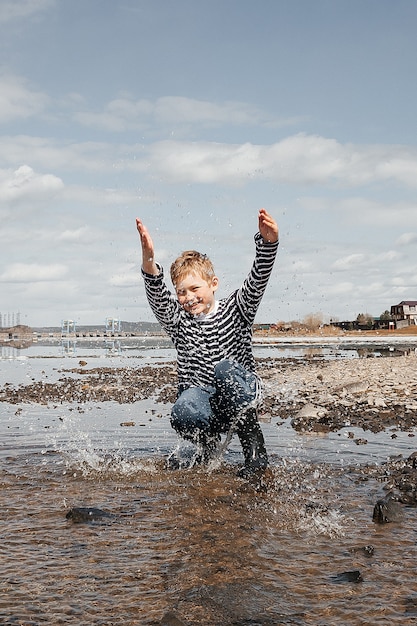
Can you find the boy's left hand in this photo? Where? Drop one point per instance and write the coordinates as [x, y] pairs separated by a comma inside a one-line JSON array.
[[267, 227]]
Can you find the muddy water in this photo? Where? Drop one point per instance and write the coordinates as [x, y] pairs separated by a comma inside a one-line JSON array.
[[193, 547], [202, 548]]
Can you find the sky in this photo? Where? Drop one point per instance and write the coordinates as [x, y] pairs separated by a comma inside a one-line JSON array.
[[192, 115]]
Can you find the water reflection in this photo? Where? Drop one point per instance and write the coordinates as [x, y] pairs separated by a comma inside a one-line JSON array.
[[113, 347], [9, 352], [152, 346], [68, 347]]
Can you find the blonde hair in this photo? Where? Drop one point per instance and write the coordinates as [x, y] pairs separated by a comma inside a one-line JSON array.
[[190, 262]]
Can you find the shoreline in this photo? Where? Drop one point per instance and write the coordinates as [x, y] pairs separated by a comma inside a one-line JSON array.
[[318, 395], [259, 339], [326, 340]]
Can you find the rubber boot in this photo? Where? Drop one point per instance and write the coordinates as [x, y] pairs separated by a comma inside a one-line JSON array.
[[253, 444], [207, 449]]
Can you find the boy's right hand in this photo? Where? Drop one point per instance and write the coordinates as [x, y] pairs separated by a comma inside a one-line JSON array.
[[148, 263]]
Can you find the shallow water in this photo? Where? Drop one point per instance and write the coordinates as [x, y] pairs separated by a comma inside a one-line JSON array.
[[193, 547]]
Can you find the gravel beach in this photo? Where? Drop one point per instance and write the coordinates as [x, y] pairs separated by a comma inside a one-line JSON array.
[[371, 393], [320, 396]]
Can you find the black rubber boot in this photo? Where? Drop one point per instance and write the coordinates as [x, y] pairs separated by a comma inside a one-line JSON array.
[[207, 449], [253, 444]]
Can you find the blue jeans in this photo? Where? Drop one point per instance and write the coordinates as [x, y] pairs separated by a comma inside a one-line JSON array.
[[202, 412]]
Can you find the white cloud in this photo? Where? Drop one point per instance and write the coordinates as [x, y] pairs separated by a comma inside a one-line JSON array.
[[370, 289], [18, 100], [299, 159], [387, 257], [398, 281], [20, 9], [24, 183], [128, 277], [370, 261], [175, 112], [339, 288], [349, 262], [361, 210], [406, 239], [88, 156], [119, 115], [300, 266], [77, 235], [32, 272], [400, 167]]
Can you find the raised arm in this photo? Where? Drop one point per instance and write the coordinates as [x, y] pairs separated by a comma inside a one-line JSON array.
[[249, 296], [148, 253]]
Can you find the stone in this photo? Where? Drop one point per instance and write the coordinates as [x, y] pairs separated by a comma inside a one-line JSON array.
[[80, 515], [353, 576], [387, 510]]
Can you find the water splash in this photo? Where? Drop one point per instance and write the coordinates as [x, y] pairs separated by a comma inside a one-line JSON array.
[[83, 458]]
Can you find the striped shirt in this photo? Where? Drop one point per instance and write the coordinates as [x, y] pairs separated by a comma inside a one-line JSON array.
[[201, 344]]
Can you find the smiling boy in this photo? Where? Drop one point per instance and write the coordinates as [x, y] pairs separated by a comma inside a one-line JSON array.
[[218, 387]]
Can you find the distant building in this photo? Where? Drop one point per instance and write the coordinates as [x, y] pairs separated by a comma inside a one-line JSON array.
[[404, 313], [16, 335]]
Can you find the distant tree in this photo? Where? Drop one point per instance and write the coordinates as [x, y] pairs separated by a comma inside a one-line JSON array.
[[313, 321], [385, 316], [365, 319]]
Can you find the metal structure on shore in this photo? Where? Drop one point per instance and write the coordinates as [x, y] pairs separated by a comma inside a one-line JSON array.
[[67, 327]]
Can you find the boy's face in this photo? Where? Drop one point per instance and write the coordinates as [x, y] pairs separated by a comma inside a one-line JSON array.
[[195, 294]]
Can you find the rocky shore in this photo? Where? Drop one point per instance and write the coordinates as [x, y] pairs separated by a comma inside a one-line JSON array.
[[320, 396], [370, 393]]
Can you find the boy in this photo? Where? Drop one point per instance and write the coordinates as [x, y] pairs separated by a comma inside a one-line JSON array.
[[218, 389]]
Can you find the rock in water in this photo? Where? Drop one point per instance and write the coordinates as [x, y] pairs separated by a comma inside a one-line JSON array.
[[353, 576], [367, 551], [80, 515], [170, 619], [387, 510]]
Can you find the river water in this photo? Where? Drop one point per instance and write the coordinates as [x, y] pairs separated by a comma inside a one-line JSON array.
[[191, 547]]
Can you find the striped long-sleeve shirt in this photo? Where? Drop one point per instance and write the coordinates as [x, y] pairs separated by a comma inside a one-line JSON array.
[[201, 344]]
